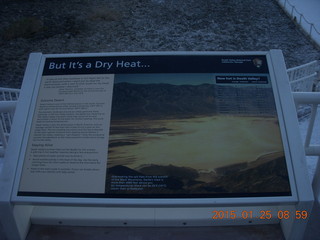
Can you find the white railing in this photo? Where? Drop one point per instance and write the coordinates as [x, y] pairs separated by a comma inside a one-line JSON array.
[[304, 78], [313, 99], [9, 94], [299, 18], [8, 101]]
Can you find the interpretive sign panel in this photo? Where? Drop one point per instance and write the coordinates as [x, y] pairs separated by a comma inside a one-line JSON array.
[[156, 126], [67, 145]]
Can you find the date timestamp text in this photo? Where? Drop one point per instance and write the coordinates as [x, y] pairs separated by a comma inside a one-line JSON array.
[[263, 214]]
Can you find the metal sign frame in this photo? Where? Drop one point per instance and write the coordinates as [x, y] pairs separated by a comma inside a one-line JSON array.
[[18, 212]]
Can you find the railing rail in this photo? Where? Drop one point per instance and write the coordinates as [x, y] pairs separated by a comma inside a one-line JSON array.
[[313, 99], [8, 101], [304, 78], [9, 94], [311, 149], [305, 24]]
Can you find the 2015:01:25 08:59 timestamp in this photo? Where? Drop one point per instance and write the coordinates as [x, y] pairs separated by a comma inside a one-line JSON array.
[[263, 214]]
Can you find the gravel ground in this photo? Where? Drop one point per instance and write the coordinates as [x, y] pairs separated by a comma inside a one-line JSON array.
[[72, 26]]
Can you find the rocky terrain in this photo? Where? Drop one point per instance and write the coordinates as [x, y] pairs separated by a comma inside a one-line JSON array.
[[74, 26]]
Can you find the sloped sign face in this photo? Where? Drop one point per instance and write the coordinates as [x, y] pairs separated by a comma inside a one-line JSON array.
[[155, 126]]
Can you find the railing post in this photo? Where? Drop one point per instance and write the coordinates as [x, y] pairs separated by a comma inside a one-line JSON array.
[[311, 25], [300, 18], [292, 8], [311, 125]]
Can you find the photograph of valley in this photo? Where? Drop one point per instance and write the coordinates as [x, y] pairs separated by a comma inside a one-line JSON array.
[[183, 135]]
